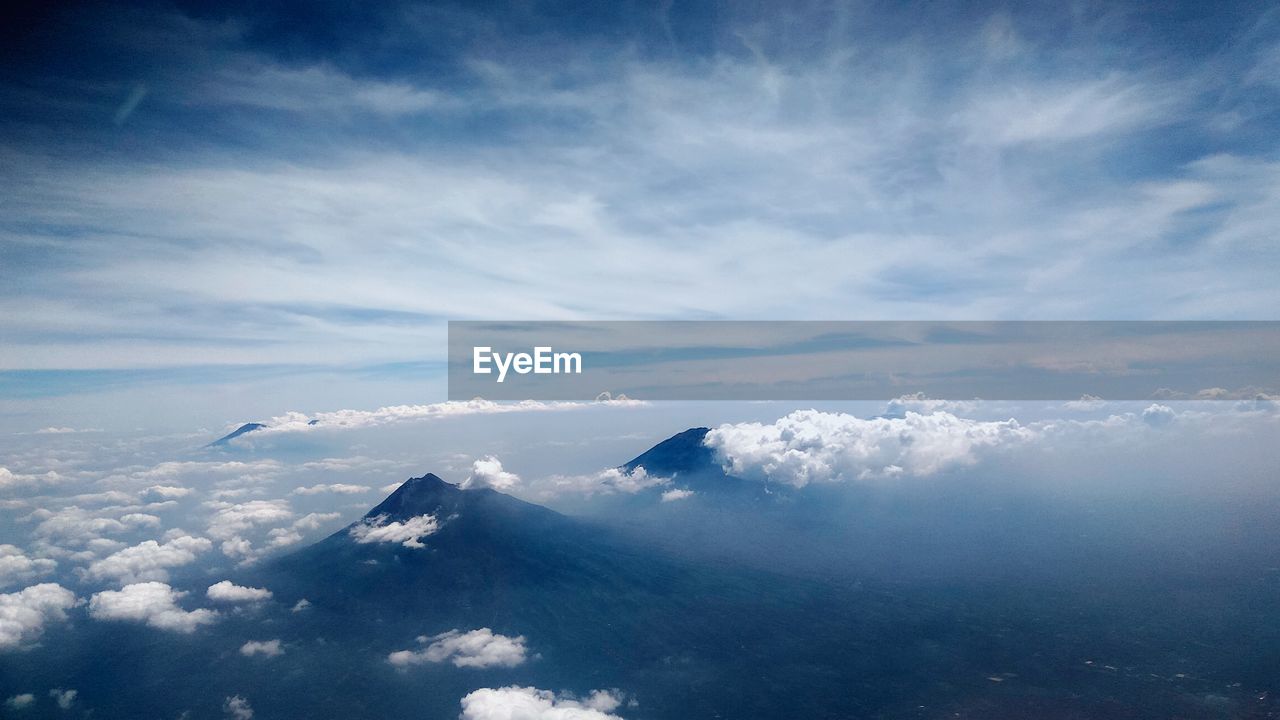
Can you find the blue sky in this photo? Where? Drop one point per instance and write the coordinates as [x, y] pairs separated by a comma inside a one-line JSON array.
[[257, 210]]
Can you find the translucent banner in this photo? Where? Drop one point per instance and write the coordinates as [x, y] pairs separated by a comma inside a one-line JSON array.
[[860, 360]]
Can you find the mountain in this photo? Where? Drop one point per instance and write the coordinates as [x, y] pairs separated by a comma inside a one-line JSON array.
[[682, 453], [685, 459], [243, 429], [598, 609]]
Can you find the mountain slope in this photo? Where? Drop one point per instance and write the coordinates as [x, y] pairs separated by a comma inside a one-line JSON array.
[[245, 428], [599, 611]]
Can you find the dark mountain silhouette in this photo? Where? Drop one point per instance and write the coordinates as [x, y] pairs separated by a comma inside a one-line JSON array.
[[600, 610], [681, 453], [243, 429]]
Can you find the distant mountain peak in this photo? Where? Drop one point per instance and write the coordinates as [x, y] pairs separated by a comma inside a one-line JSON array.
[[417, 496], [245, 428], [682, 453]]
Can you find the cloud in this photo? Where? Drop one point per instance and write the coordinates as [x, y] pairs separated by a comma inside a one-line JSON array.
[[149, 560], [266, 648], [921, 403], [1158, 415], [75, 526], [10, 480], [17, 568], [153, 603], [338, 488], [63, 698], [408, 533], [610, 480], [230, 521], [20, 702], [474, 649], [226, 591], [529, 703], [301, 605], [160, 493], [295, 422], [277, 538], [1085, 403], [23, 614], [488, 473], [1064, 111], [237, 708], [811, 446], [675, 494]]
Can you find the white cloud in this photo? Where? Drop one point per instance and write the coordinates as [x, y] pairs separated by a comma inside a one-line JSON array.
[[1157, 415], [227, 591], [810, 446], [347, 419], [277, 538], [153, 603], [338, 488], [231, 519], [313, 521], [474, 649], [149, 560], [160, 493], [140, 520], [606, 481], [74, 526], [301, 605], [488, 473], [16, 567], [1085, 403], [64, 698], [11, 480], [23, 614], [921, 403], [230, 522], [529, 703], [237, 708], [20, 702], [408, 533], [1064, 111], [266, 648], [675, 494]]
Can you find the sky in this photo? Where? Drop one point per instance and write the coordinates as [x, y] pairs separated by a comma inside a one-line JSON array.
[[214, 213], [221, 212]]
